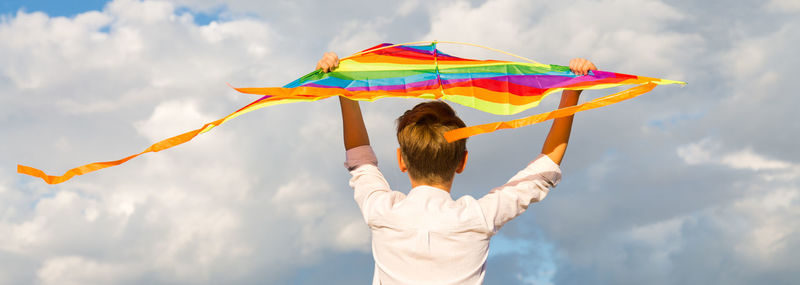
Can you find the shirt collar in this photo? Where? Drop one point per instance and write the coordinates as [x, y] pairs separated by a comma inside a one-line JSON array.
[[429, 191]]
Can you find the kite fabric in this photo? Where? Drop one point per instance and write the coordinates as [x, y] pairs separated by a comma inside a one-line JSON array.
[[422, 71]]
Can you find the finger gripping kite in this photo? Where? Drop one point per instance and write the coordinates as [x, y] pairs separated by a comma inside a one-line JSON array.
[[420, 70]]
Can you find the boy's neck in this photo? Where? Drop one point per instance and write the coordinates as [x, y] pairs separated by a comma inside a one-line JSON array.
[[445, 186]]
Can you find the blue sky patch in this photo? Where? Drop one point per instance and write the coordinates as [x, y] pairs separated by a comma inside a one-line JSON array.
[[52, 8], [72, 8], [202, 18]]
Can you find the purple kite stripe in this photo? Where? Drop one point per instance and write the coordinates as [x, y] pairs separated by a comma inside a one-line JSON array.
[[413, 49]]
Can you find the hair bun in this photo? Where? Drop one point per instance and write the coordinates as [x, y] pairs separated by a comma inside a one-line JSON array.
[[426, 118]]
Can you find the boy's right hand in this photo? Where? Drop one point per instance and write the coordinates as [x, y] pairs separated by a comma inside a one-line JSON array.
[[581, 66], [328, 62]]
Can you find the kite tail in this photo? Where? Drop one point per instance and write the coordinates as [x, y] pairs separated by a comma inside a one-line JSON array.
[[159, 146], [466, 132]]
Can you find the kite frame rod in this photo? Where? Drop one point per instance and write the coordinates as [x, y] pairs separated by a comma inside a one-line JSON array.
[[447, 42]]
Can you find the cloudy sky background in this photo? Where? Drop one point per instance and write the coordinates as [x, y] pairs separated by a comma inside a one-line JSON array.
[[691, 185]]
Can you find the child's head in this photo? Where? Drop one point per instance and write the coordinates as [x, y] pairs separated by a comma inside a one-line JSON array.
[[427, 155]]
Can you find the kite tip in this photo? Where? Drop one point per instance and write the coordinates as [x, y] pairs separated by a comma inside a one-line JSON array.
[[234, 87], [667, 81]]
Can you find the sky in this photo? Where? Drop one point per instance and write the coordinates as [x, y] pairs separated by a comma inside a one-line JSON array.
[[685, 185]]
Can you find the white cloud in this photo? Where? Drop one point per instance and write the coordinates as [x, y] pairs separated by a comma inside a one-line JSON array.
[[358, 35], [141, 12], [757, 62], [771, 221], [69, 270], [313, 206], [553, 32], [747, 159], [708, 151], [784, 6], [201, 212], [407, 7], [698, 152], [757, 228], [662, 235], [171, 118], [139, 51]]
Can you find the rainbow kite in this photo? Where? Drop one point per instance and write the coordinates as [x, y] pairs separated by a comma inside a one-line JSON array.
[[422, 71]]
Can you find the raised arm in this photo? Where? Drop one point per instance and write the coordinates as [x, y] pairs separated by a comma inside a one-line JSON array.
[[556, 143], [355, 133]]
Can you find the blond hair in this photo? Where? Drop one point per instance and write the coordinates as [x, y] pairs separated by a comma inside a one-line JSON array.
[[420, 133]]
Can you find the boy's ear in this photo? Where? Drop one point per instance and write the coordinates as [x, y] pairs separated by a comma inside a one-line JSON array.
[[463, 163], [400, 161]]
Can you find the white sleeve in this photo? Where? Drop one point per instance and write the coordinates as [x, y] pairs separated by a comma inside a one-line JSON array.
[[370, 189], [530, 185]]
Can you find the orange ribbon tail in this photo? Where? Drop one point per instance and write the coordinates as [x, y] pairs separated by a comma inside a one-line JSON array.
[[159, 146], [466, 132]]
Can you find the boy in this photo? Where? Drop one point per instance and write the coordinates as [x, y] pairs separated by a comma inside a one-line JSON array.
[[426, 237]]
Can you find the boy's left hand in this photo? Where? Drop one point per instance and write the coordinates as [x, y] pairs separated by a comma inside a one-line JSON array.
[[328, 62], [581, 66]]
